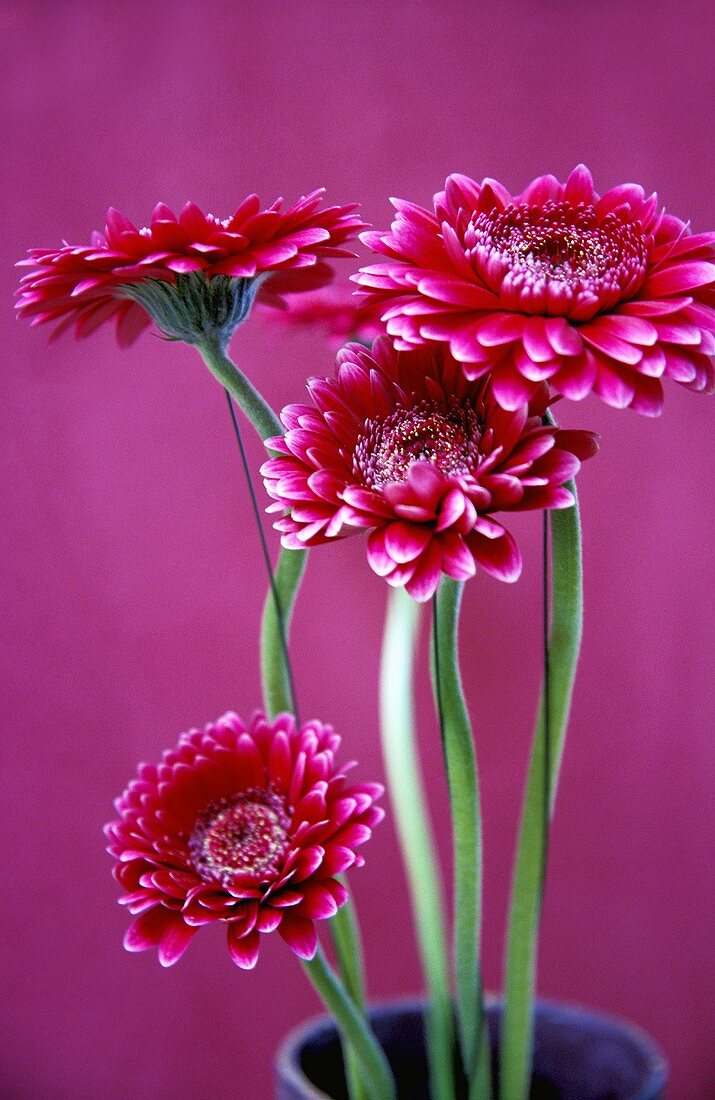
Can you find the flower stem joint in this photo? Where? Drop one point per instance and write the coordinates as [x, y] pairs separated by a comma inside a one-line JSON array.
[[196, 307]]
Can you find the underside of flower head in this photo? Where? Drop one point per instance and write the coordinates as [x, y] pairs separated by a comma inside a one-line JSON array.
[[403, 446], [245, 826], [591, 293], [85, 286]]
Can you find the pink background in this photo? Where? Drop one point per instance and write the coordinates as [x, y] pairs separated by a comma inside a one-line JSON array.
[[131, 583]]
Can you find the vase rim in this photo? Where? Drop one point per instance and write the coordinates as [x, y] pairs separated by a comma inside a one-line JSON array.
[[288, 1055]]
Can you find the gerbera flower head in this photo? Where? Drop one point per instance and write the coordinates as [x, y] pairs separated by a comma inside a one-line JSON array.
[[242, 825], [593, 293], [404, 446], [337, 311], [194, 275]]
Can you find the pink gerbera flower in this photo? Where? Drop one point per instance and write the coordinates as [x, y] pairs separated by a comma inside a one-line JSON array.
[[606, 293], [244, 825], [85, 285], [405, 446]]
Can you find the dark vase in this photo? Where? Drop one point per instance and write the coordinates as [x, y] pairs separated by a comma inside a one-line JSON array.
[[578, 1055]]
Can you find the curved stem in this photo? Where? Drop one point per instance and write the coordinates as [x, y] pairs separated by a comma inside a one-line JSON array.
[[414, 832], [546, 754], [353, 1028], [461, 766], [255, 406]]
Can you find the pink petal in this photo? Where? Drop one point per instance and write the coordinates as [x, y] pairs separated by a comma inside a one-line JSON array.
[[542, 189], [612, 385], [501, 328], [576, 378], [579, 186], [318, 903], [405, 541], [612, 346], [634, 330], [682, 276], [564, 338], [243, 949], [457, 558], [535, 339], [423, 583], [499, 557], [174, 942], [148, 929], [445, 288], [648, 398], [378, 558], [300, 935], [511, 389]]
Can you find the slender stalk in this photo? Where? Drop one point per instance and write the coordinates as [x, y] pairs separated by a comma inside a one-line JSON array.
[[461, 767], [353, 1028], [276, 673], [415, 834], [546, 755], [252, 403]]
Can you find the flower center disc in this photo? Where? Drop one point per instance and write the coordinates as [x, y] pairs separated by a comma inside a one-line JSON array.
[[581, 256], [447, 436], [246, 833]]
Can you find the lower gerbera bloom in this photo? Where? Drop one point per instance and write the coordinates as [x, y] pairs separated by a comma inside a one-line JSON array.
[[194, 274], [594, 293], [406, 447], [242, 825]]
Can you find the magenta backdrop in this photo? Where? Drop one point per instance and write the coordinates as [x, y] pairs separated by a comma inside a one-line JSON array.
[[131, 580]]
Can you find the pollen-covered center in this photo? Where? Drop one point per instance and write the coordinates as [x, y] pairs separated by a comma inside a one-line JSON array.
[[558, 256], [445, 435], [245, 833]]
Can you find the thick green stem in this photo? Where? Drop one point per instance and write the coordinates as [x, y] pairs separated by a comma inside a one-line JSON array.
[[255, 407], [547, 751], [348, 951], [461, 767], [353, 1028], [414, 832]]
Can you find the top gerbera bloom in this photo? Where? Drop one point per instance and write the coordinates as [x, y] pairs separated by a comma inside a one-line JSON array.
[[403, 445], [242, 825], [86, 285], [606, 294]]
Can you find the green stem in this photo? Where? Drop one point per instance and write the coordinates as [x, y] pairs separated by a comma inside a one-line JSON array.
[[546, 754], [414, 832], [461, 767], [353, 1028], [278, 690], [255, 406], [345, 933]]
